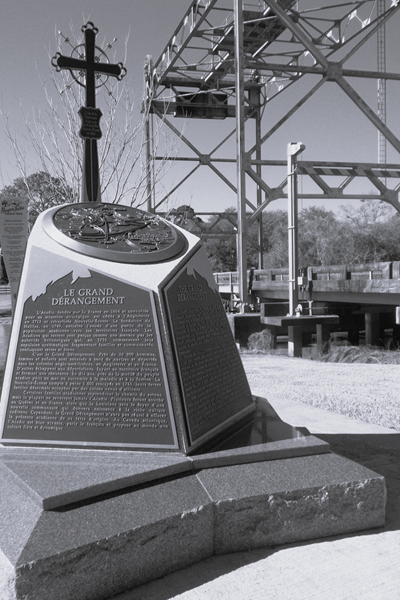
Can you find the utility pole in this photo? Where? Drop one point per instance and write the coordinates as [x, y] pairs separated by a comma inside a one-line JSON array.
[[381, 41], [255, 99], [148, 140]]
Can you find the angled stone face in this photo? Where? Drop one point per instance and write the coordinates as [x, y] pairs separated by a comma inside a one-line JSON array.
[[100, 549], [55, 478], [19, 515]]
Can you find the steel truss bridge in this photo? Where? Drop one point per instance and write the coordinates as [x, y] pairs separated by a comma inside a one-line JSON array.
[[229, 59]]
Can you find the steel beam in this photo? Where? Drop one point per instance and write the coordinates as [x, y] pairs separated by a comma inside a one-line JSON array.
[[240, 154], [212, 49], [368, 112], [297, 32]]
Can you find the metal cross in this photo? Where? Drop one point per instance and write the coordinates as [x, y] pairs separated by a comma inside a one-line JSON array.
[[90, 115]]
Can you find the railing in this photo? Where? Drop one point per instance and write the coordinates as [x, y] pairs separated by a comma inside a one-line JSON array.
[[369, 283], [227, 279], [377, 270]]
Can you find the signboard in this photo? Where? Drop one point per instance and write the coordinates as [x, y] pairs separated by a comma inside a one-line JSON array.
[[13, 236], [213, 381], [90, 128], [88, 369]]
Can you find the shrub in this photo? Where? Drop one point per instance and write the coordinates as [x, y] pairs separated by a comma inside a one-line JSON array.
[[262, 341]]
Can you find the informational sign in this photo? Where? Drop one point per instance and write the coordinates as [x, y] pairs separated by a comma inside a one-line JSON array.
[[90, 129], [13, 237], [214, 385], [89, 369]]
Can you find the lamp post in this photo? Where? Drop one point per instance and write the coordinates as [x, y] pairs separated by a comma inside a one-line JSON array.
[[294, 149]]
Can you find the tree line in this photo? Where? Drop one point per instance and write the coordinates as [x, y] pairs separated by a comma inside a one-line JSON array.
[[368, 233]]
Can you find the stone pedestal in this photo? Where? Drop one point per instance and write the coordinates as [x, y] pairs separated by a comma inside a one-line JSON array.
[[96, 549], [372, 329]]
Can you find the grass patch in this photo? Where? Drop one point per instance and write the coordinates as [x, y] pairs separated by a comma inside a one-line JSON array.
[[367, 392], [360, 354]]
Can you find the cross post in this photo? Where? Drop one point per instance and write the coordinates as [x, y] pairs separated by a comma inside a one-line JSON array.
[[90, 115]]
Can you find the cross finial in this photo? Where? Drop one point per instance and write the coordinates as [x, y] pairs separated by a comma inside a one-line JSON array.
[[90, 131]]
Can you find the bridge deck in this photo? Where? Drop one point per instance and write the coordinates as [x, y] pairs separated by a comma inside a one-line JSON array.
[[365, 298], [369, 283]]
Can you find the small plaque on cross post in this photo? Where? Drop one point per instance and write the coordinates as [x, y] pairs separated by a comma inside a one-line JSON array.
[[90, 129], [89, 63]]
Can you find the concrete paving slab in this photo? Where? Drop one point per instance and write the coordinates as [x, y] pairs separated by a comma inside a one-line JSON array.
[[318, 420], [358, 568]]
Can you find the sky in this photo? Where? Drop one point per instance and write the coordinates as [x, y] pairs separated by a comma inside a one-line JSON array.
[[330, 127], [27, 39]]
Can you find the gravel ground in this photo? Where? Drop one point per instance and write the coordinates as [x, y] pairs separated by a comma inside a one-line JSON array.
[[368, 392]]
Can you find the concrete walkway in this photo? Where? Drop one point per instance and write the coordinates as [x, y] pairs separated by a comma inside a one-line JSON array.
[[363, 566]]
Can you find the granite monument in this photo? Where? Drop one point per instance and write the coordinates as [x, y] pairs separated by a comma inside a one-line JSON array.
[[120, 339]]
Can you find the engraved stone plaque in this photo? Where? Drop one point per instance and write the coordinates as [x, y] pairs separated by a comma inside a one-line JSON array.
[[213, 381], [89, 369]]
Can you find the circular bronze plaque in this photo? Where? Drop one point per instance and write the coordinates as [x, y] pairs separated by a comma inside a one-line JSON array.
[[114, 232]]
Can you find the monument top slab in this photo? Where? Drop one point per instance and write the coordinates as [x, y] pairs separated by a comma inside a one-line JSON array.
[[114, 232]]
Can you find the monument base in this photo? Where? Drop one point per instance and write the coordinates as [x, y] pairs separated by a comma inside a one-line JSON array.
[[94, 523]]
